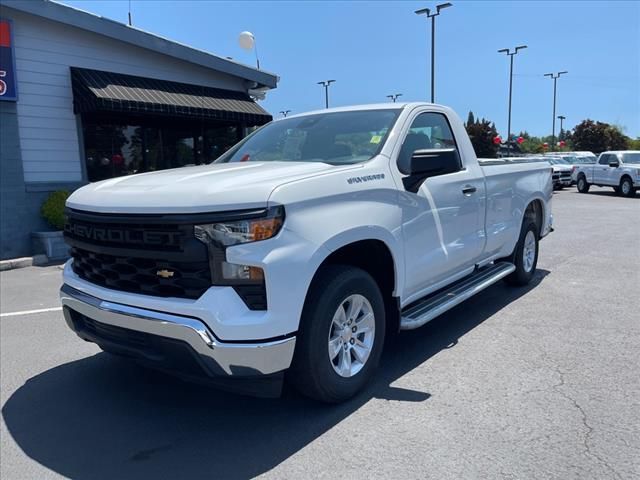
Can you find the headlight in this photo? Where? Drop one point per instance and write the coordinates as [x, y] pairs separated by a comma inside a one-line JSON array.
[[218, 236], [226, 234]]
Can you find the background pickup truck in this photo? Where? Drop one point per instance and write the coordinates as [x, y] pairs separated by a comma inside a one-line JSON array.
[[300, 248], [620, 170]]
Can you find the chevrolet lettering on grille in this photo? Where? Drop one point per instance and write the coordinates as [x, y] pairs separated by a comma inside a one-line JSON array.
[[120, 235]]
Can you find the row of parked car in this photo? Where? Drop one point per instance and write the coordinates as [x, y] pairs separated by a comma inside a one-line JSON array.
[[617, 169]]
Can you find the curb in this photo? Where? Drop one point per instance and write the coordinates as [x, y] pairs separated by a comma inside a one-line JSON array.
[[14, 263]]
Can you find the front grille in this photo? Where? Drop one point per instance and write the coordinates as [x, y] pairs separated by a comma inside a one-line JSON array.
[[142, 275], [151, 254], [565, 174]]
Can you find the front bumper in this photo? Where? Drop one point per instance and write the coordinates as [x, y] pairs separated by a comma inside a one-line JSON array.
[[166, 340]]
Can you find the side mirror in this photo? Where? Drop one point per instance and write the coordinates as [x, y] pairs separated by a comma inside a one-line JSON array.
[[432, 162], [614, 163]]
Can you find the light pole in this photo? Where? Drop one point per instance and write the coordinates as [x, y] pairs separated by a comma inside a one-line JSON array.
[[432, 16], [285, 112], [248, 41], [511, 54], [562, 118], [326, 84], [394, 97], [555, 77]]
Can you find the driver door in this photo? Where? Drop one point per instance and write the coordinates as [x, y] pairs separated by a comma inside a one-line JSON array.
[[602, 168], [443, 218]]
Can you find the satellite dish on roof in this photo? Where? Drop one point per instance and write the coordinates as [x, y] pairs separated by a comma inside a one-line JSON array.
[[247, 40]]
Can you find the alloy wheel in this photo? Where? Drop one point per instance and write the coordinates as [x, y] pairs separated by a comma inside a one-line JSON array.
[[351, 335]]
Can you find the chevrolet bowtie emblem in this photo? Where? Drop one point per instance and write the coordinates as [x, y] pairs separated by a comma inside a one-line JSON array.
[[165, 273]]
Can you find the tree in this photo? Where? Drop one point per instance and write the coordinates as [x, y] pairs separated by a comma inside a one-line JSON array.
[[530, 144], [482, 134], [470, 119], [634, 144], [598, 137]]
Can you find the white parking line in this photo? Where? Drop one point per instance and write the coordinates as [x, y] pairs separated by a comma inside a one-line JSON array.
[[29, 312]]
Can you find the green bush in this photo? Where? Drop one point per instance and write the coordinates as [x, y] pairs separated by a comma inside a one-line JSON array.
[[53, 209]]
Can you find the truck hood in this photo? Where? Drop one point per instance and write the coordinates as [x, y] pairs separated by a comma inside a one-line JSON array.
[[202, 188]]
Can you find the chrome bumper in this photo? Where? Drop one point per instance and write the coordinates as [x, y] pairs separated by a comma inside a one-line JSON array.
[[234, 359]]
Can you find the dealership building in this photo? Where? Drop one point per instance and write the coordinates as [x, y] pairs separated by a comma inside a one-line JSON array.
[[84, 98]]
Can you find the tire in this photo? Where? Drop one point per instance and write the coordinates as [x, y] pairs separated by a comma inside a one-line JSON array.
[[314, 372], [525, 264], [582, 184], [626, 187]]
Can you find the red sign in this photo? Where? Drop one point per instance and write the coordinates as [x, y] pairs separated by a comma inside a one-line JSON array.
[[8, 84]]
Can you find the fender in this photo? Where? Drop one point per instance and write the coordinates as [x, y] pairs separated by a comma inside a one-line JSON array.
[[371, 232]]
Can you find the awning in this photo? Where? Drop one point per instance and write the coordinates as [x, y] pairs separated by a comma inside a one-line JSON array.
[[98, 91]]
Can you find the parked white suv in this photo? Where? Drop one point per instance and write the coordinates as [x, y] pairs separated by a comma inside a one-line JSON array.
[[617, 169], [300, 248]]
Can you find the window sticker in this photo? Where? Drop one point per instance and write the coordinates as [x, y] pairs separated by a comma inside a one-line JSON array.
[[376, 139]]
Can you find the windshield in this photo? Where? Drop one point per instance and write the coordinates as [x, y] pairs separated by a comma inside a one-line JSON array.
[[557, 161], [631, 157], [336, 138], [586, 159]]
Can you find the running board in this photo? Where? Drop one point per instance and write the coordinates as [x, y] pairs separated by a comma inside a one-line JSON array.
[[436, 304]]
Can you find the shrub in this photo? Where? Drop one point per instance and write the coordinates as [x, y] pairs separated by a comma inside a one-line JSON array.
[[53, 209]]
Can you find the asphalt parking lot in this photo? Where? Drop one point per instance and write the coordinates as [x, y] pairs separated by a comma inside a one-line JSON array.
[[538, 382]]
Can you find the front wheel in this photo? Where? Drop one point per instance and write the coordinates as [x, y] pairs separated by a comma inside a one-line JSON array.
[[583, 185], [525, 257], [341, 334], [626, 187]]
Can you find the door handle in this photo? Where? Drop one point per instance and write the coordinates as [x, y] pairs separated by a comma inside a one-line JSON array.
[[468, 190]]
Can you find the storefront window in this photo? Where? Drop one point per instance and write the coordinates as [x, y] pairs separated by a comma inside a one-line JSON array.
[[113, 149]]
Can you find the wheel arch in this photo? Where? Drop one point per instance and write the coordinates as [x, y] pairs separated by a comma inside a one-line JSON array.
[[384, 270], [626, 175], [535, 211]]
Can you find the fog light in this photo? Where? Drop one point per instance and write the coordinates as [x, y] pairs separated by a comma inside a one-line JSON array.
[[233, 271]]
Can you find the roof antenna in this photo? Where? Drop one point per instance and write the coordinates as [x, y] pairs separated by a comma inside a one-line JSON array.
[[129, 12]]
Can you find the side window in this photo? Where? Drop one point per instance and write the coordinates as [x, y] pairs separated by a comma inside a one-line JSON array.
[[428, 131], [604, 159]]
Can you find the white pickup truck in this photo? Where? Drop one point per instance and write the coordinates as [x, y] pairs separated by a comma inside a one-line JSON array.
[[300, 248], [620, 170]]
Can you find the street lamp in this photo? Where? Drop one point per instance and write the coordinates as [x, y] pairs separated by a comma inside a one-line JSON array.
[[326, 84], [432, 16], [511, 54], [394, 97], [562, 118], [248, 41], [285, 112], [555, 77]]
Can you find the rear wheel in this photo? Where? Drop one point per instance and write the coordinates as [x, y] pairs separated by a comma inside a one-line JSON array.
[[626, 187], [525, 257], [341, 335], [583, 185]]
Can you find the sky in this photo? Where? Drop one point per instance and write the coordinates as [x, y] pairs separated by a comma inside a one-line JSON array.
[[373, 49]]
